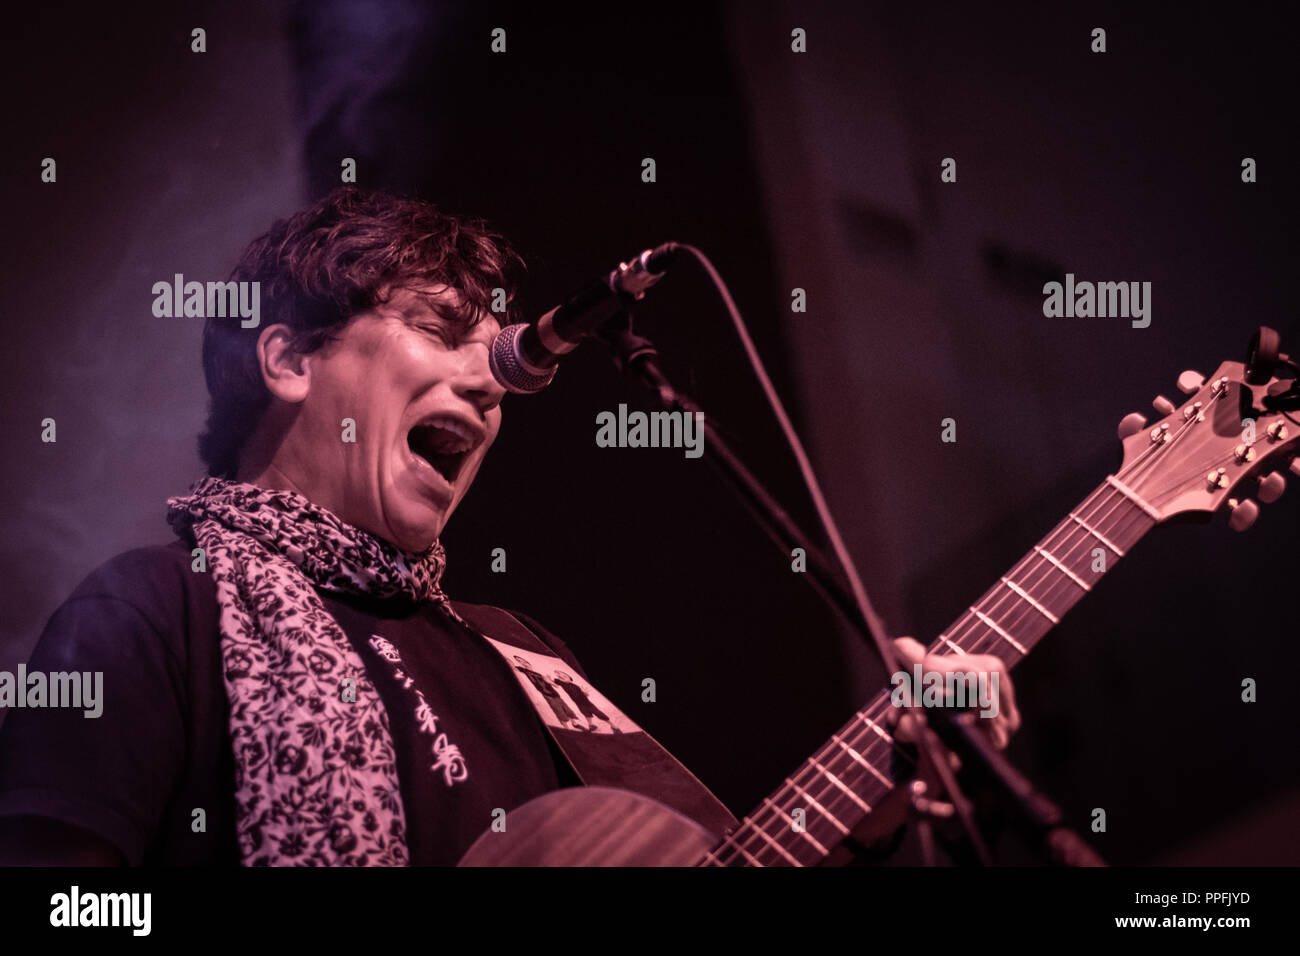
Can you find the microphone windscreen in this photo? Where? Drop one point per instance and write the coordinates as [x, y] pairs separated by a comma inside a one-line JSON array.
[[512, 371]]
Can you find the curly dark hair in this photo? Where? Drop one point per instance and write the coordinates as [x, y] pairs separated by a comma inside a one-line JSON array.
[[319, 268]]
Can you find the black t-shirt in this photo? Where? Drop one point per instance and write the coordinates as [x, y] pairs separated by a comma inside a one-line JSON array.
[[161, 747]]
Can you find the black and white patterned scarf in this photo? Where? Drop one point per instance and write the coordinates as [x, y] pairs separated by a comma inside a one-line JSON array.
[[316, 773]]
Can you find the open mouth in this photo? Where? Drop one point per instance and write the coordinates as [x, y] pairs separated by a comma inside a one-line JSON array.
[[444, 443]]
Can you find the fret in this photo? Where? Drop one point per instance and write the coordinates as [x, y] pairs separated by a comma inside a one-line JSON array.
[[1032, 603], [862, 760], [786, 820], [1001, 633], [874, 726], [1008, 620], [826, 814], [1133, 496], [809, 820], [763, 833], [1054, 589], [1039, 601], [1100, 537], [1062, 568], [847, 791], [986, 627], [753, 860]]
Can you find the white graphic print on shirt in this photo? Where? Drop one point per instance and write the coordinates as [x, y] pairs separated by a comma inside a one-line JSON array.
[[446, 755], [562, 698]]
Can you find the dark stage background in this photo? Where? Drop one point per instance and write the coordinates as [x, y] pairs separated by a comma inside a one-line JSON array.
[[816, 170]]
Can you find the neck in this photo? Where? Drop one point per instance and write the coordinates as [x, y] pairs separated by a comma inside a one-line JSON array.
[[854, 770], [269, 477]]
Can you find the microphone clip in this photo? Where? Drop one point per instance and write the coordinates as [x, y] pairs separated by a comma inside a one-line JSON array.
[[634, 277]]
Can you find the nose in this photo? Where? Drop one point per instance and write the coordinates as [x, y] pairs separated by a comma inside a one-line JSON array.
[[474, 381]]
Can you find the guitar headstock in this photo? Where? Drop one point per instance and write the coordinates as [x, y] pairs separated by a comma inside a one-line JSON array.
[[1234, 436]]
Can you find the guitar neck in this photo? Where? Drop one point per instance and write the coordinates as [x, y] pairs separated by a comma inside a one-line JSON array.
[[853, 771]]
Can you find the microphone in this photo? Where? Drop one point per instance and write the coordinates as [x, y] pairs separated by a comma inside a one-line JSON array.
[[524, 356]]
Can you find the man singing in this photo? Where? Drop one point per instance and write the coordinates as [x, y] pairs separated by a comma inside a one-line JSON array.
[[286, 683]]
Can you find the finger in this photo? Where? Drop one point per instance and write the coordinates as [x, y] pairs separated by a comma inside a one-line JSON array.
[[1008, 712], [906, 730], [1008, 692], [910, 649], [989, 664]]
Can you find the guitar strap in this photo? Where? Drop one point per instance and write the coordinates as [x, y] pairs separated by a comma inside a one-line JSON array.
[[603, 745]]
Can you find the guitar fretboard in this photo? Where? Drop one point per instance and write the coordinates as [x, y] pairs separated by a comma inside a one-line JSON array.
[[819, 805]]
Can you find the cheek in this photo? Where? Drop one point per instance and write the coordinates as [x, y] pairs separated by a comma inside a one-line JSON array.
[[413, 358], [336, 395], [493, 429], [476, 464], [325, 421], [371, 403], [487, 445]]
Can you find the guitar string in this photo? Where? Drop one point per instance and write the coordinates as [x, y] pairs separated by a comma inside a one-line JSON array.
[[1047, 598], [832, 798], [831, 794], [1026, 576], [1061, 582], [760, 820], [835, 764], [832, 801]]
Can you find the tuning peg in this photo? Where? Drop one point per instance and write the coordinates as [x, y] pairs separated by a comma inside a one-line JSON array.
[[1131, 424], [1163, 405], [1190, 381], [1271, 487], [1243, 514]]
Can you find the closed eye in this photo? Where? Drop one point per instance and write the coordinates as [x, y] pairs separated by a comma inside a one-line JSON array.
[[440, 332]]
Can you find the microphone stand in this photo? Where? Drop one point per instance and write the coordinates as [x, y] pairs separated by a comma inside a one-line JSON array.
[[637, 357]]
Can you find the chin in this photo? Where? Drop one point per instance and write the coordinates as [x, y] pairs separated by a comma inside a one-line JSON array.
[[416, 534], [418, 542]]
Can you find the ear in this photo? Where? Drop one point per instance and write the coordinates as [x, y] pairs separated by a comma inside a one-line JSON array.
[[286, 372]]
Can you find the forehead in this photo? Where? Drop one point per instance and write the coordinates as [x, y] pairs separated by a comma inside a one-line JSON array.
[[415, 305], [421, 302]]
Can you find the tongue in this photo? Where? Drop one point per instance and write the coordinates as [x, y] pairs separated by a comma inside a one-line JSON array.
[[437, 441], [430, 444]]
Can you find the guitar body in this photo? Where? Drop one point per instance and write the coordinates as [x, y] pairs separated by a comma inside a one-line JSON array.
[[592, 826]]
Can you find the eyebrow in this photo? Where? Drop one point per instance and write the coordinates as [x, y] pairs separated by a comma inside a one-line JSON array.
[[425, 311]]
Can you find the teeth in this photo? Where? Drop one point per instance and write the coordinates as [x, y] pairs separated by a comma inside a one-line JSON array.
[[451, 437], [450, 424]]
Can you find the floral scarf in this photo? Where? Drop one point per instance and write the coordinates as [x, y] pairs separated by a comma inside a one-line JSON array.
[[315, 769]]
